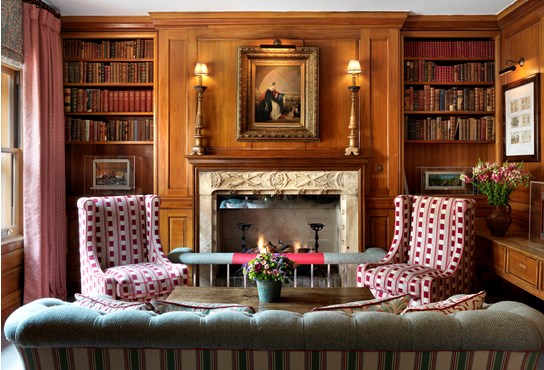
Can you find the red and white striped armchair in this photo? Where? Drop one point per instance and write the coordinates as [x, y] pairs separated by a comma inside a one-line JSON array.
[[432, 253], [120, 250]]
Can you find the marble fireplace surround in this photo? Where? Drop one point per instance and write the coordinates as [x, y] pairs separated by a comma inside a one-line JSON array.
[[343, 176]]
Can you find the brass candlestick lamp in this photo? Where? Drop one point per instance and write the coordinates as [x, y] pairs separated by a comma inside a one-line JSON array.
[[354, 67], [200, 70]]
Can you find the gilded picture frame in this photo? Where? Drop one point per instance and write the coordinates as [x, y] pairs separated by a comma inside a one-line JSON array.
[[277, 94]]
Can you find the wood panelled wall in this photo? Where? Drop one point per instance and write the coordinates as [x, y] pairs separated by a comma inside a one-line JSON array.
[[523, 36], [213, 38]]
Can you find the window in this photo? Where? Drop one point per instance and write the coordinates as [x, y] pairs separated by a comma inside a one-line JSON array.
[[12, 185]]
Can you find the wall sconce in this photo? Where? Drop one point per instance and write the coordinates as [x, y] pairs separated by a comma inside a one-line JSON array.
[[200, 70], [354, 67], [511, 68]]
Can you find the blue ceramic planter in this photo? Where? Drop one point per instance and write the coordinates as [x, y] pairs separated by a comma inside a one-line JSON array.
[[269, 290]]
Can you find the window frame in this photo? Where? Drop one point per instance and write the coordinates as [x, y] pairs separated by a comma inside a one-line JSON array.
[[15, 230]]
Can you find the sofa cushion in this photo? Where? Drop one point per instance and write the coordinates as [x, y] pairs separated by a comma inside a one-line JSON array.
[[205, 308], [105, 303], [394, 305], [453, 304]]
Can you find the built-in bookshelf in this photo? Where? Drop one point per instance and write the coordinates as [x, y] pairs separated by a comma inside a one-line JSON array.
[[449, 89], [109, 81]]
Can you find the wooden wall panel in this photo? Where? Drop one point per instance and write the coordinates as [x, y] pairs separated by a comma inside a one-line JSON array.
[[380, 222], [182, 43], [523, 36], [381, 127], [173, 128], [73, 274], [176, 228], [12, 277], [220, 99], [219, 105]]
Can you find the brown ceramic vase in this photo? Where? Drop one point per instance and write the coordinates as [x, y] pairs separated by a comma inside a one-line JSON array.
[[499, 220]]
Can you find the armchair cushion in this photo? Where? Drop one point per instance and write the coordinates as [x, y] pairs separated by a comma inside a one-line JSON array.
[[453, 304], [399, 278], [143, 279]]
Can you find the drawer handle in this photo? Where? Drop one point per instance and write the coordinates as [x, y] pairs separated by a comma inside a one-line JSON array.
[[522, 266]]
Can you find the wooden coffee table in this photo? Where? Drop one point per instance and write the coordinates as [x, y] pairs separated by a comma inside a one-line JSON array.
[[299, 300]]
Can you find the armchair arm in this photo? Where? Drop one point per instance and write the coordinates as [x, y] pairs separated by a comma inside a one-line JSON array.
[[156, 253], [398, 252]]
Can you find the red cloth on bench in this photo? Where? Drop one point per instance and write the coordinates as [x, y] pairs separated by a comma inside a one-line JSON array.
[[298, 258]]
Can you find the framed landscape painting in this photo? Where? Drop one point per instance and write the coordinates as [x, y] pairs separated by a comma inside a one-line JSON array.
[[444, 180], [277, 94]]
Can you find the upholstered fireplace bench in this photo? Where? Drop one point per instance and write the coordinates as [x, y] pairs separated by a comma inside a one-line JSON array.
[[188, 257]]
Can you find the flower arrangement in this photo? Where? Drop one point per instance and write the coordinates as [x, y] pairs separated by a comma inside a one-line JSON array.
[[270, 266], [497, 182]]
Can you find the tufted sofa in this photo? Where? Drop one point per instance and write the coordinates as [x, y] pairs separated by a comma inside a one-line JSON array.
[[52, 334]]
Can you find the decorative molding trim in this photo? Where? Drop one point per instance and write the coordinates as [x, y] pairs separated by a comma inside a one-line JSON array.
[[295, 182]]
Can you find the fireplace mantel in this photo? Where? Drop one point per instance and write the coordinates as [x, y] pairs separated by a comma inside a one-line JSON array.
[[294, 162]]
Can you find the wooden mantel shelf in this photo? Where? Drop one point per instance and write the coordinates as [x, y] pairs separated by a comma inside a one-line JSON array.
[[513, 258], [292, 161]]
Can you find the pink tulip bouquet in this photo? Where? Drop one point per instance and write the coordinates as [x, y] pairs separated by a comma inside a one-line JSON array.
[[497, 182]]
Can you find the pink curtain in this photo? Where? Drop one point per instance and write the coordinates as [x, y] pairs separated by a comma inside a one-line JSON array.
[[43, 156]]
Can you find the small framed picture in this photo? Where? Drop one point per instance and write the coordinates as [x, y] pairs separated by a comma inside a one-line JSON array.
[[444, 180], [112, 174], [522, 120]]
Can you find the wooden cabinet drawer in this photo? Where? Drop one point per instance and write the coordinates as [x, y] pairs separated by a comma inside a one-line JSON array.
[[523, 267], [492, 255]]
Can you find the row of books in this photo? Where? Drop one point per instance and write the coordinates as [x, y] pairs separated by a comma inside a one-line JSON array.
[[88, 49], [98, 100], [113, 130], [109, 72], [433, 99], [429, 71], [450, 49], [450, 128]]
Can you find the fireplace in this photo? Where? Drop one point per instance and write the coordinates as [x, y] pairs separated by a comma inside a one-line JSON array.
[[284, 193]]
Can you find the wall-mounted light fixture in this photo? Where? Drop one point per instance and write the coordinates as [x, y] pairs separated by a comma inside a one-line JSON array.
[[277, 45], [200, 70], [511, 68], [354, 68]]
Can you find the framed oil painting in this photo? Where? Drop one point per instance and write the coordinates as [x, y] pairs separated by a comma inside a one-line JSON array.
[[522, 120], [277, 94]]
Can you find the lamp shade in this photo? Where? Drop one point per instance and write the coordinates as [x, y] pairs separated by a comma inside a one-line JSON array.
[[354, 67], [201, 69]]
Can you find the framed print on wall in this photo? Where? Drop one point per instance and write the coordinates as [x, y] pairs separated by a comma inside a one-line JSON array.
[[277, 94], [522, 120]]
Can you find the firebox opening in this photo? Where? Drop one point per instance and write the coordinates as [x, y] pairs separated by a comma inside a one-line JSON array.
[[288, 222]]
